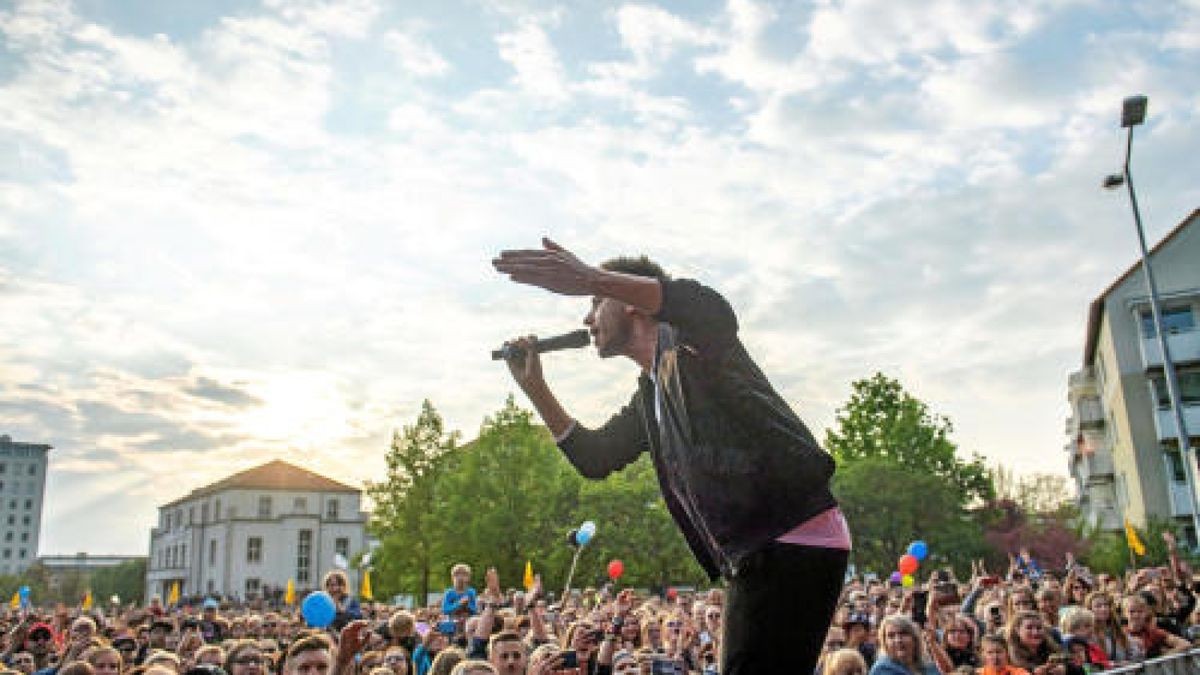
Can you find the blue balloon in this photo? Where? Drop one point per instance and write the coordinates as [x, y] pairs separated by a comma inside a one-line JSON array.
[[24, 592], [318, 609], [582, 537], [919, 550]]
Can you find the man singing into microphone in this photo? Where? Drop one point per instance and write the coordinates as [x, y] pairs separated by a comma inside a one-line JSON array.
[[740, 473]]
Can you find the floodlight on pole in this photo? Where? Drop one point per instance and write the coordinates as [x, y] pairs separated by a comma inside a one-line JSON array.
[[1133, 113]]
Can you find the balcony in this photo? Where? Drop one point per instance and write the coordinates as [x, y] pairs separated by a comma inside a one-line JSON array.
[[1082, 381], [1183, 343], [1181, 501], [1164, 421], [1098, 467]]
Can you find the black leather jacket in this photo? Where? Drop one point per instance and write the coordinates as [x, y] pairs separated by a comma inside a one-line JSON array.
[[736, 465]]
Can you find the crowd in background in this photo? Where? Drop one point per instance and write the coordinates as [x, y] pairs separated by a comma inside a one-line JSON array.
[[1028, 620]]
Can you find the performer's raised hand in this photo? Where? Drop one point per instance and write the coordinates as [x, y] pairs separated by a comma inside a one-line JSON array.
[[551, 267]]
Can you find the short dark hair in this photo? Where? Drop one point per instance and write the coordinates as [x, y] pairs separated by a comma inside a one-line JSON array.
[[640, 266], [503, 636], [312, 642]]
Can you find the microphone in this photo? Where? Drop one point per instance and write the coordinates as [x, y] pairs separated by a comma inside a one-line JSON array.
[[573, 340]]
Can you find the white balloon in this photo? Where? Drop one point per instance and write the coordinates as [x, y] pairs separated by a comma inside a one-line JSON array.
[[589, 527]]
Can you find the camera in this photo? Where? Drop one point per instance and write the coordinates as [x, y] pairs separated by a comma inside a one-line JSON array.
[[664, 666]]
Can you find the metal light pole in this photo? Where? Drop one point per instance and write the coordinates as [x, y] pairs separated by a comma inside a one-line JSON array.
[[1133, 113]]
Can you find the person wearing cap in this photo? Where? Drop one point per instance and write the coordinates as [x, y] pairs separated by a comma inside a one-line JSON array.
[[210, 626], [858, 636]]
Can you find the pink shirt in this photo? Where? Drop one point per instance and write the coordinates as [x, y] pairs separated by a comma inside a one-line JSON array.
[[827, 529]]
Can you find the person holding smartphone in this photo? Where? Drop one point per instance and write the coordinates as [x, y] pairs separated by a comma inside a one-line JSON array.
[[741, 474]]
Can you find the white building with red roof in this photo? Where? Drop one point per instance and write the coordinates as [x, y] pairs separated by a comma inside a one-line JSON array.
[[244, 537]]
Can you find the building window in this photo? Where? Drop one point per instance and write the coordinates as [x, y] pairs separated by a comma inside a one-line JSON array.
[[33, 469], [1189, 389], [341, 546], [24, 536], [204, 513], [191, 515], [212, 552], [210, 585], [217, 510], [25, 520], [1174, 319], [28, 504], [252, 587], [8, 536], [303, 556], [23, 554], [254, 550], [3, 467], [12, 520], [183, 555], [7, 553], [264, 506], [300, 505], [1175, 467], [331, 509]]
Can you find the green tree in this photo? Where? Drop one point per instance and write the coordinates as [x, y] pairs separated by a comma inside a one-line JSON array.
[[900, 478], [882, 420], [634, 527], [509, 498], [889, 505], [127, 581], [405, 518]]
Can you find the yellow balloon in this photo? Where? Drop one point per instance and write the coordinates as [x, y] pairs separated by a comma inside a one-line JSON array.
[[907, 580]]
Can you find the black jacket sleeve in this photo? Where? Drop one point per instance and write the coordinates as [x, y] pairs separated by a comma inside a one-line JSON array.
[[599, 452], [703, 316]]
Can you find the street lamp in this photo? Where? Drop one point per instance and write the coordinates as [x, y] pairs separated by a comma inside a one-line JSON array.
[[1133, 113]]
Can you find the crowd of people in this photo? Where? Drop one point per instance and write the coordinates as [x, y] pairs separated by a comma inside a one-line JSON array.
[[1028, 621]]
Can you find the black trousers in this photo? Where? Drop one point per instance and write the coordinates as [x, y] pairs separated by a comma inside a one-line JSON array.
[[778, 609]]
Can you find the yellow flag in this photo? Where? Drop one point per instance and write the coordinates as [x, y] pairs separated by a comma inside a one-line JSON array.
[[365, 591], [173, 596], [528, 576], [289, 596], [16, 601], [1131, 538], [87, 600]]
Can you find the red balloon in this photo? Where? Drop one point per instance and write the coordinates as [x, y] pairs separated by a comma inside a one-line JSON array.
[[615, 569], [908, 564]]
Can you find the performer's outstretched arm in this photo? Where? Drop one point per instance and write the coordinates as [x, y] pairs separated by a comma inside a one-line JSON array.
[[557, 270]]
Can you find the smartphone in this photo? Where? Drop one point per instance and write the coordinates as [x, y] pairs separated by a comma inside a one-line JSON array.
[[919, 600], [447, 627], [570, 660]]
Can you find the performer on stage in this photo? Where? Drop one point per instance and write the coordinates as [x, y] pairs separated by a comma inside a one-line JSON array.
[[740, 473]]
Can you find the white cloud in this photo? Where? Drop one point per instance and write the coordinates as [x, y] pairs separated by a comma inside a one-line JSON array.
[[417, 56], [190, 223], [539, 72]]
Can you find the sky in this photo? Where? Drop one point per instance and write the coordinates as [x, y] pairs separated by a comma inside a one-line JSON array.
[[237, 231]]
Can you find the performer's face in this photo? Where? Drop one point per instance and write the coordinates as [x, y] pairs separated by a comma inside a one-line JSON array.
[[609, 324]]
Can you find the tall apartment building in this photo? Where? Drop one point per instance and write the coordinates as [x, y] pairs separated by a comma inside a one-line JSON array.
[[247, 535], [22, 486], [1123, 452]]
